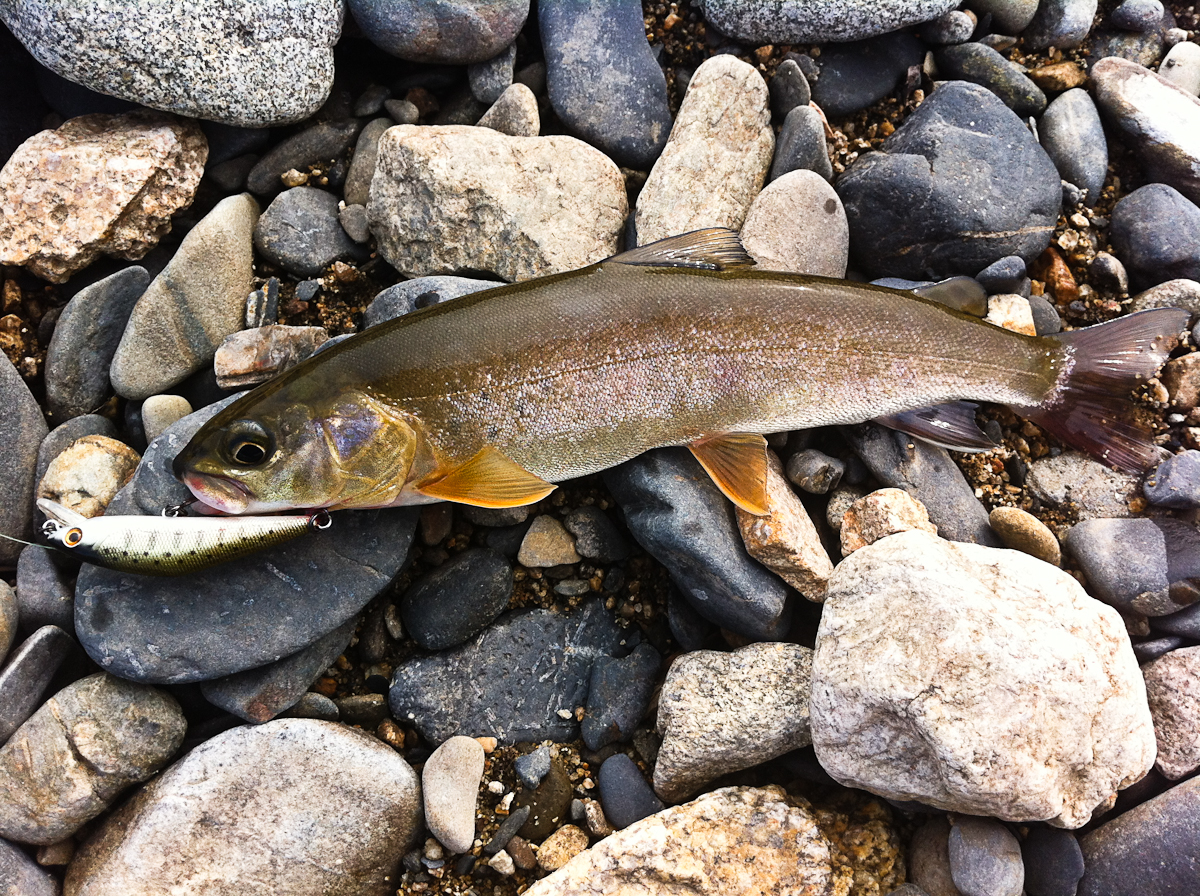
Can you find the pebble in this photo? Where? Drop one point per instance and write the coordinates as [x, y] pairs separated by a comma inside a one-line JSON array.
[[547, 543], [880, 514], [449, 785], [716, 159], [88, 474], [929, 858], [1011, 312], [1060, 23], [1008, 16], [856, 75], [515, 113], [993, 193], [21, 876], [1161, 119], [1072, 136], [1181, 66], [1053, 861], [801, 145], [603, 79], [723, 712], [321, 142], [596, 536], [357, 189], [300, 232], [79, 752], [1172, 683], [811, 21], [1058, 76], [364, 710], [980, 64], [1176, 482], [1004, 276], [453, 603], [531, 768], [408, 295], [1022, 531], [250, 357], [511, 682], [160, 411], [516, 207], [562, 846], [495, 516], [1074, 481], [489, 79], [22, 433], [1144, 48], [1138, 15], [442, 31], [675, 512], [353, 219], [971, 622], [618, 696], [263, 803], [85, 340], [502, 863], [1156, 233], [46, 589], [624, 794], [1126, 563], [1153, 648], [814, 471], [549, 804], [789, 89], [99, 184], [797, 224], [954, 27], [402, 111], [65, 435], [985, 858], [29, 671], [314, 706], [188, 309], [1181, 378], [9, 618], [1108, 273]]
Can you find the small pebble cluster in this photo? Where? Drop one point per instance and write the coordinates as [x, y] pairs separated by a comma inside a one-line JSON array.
[[920, 672]]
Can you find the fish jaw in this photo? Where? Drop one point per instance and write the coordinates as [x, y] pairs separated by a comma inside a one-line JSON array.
[[218, 492]]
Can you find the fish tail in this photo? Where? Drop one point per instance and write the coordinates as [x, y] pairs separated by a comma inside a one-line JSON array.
[[1089, 407]]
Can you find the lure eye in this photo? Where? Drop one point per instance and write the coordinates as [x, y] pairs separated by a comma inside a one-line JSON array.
[[250, 444], [73, 537]]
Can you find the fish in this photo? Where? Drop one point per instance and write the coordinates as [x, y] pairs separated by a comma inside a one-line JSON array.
[[169, 545], [493, 398]]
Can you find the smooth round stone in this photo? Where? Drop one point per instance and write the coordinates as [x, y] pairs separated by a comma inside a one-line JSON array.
[[85, 340], [1004, 276], [982, 65], [88, 474], [817, 21], [371, 100], [490, 79], [929, 858], [549, 804], [515, 113], [1156, 233], [300, 232], [797, 224], [789, 88], [248, 64], [1008, 16], [313, 706], [1060, 23], [1181, 66], [66, 434], [1152, 649], [320, 143], [1109, 274], [1138, 15], [814, 471], [1053, 861], [449, 31], [353, 219], [1046, 321], [624, 793], [985, 858], [1122, 559], [160, 411], [408, 295], [29, 671], [596, 536], [801, 145], [619, 696], [402, 111], [1023, 531], [456, 601], [22, 876], [547, 543], [22, 433], [312, 807], [357, 189], [1176, 482], [9, 618], [1144, 48], [449, 786], [954, 27], [855, 75]]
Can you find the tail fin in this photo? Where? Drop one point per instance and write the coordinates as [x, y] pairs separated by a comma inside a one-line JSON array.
[[1090, 407]]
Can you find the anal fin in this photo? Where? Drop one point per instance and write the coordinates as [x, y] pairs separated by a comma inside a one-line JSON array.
[[737, 463], [489, 479], [950, 425]]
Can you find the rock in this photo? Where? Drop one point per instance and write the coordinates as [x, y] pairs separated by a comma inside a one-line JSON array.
[[596, 537], [449, 784], [547, 543], [723, 712], [238, 615], [1075, 481], [65, 435], [618, 696], [515, 113], [250, 357], [22, 876], [88, 475], [364, 710], [353, 219], [27, 674], [300, 232], [789, 88], [453, 198], [85, 340], [1162, 120], [1126, 563], [1024, 532], [801, 145], [1108, 273], [1009, 620], [624, 793], [603, 79], [954, 27], [1176, 482], [322, 142], [980, 64], [362, 166], [9, 617], [678, 515], [784, 539], [1148, 851], [160, 411], [1142, 48], [45, 590], [562, 846], [23, 431], [856, 75], [1181, 377], [880, 514], [994, 192], [1058, 76], [1156, 232], [489, 79], [1053, 861], [262, 803], [409, 295], [716, 159], [985, 858], [814, 21], [737, 839], [814, 471], [190, 307], [1181, 67], [1138, 15], [453, 603], [1072, 136], [76, 754], [1012, 313], [929, 859], [100, 184], [441, 31], [1172, 685], [1060, 23], [513, 682], [797, 224], [531, 768]]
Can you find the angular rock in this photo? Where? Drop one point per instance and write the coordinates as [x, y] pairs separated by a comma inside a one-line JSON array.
[[596, 536], [1173, 690], [515, 113], [300, 232], [801, 145], [1176, 482], [357, 189], [88, 475], [880, 514], [797, 224], [442, 30], [27, 674], [1012, 312], [100, 184], [816, 21], [449, 786], [456, 601], [455, 198], [1071, 133], [250, 357], [1156, 233], [982, 633], [489, 79], [547, 543], [618, 696], [23, 431]]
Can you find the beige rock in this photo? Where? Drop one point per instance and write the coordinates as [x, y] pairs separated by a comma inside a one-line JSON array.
[[722, 712], [929, 858], [160, 411], [785, 539], [1171, 294], [716, 159], [1023, 531], [1012, 313], [547, 543], [1181, 376], [100, 184], [597, 823], [998, 686], [452, 198], [515, 113], [562, 846], [1077, 482], [250, 357], [744, 840], [798, 224], [1173, 690], [450, 782], [88, 474], [879, 514]]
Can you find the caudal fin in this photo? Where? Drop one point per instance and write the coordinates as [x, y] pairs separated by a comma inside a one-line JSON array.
[[1090, 407]]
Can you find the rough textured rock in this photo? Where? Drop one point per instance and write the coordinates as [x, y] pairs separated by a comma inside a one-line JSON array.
[[300, 232], [73, 756], [990, 640], [722, 712], [88, 475], [357, 189], [515, 113], [880, 514], [1012, 312], [742, 840], [310, 807], [20, 436], [716, 159], [456, 198], [818, 21], [797, 224], [247, 64], [449, 784], [1076, 481], [250, 357], [1173, 690], [22, 876]]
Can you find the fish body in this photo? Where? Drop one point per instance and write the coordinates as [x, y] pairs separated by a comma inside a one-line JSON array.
[[541, 381]]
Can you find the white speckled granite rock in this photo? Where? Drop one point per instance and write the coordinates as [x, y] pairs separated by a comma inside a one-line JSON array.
[[797, 224], [1173, 689], [817, 21]]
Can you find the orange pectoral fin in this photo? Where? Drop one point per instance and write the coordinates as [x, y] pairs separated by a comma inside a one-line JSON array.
[[737, 463], [489, 479]]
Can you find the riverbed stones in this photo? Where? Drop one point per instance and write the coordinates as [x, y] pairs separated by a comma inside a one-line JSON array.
[[88, 475], [300, 232], [160, 411], [515, 113], [716, 159], [982, 65], [1022, 531], [879, 514], [22, 434], [458, 33], [1074, 481], [1176, 482], [1172, 688], [22, 876], [451, 198], [357, 188], [1060, 23], [1071, 133], [816, 21], [1156, 233], [313, 807], [797, 224], [29, 670], [1010, 623], [449, 785], [453, 603], [250, 357], [1181, 66], [99, 184]]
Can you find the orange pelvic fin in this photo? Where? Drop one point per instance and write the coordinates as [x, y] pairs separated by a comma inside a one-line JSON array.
[[489, 479], [737, 463]]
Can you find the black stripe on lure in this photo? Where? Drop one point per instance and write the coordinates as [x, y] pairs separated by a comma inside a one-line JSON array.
[[169, 545]]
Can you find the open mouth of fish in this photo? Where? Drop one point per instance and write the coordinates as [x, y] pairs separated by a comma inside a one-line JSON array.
[[220, 492]]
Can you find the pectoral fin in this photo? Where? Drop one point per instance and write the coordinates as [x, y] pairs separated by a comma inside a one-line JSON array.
[[737, 463], [489, 479]]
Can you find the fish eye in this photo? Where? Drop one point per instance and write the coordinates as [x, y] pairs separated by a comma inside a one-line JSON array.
[[73, 537], [249, 443]]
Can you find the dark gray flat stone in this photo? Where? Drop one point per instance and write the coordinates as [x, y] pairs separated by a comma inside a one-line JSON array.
[[30, 668], [455, 602], [320, 143], [625, 795], [23, 430], [46, 589], [403, 297], [619, 696], [982, 65]]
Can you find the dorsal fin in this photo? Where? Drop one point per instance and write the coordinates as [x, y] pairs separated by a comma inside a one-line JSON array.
[[951, 425], [737, 463], [714, 248], [960, 293], [489, 479]]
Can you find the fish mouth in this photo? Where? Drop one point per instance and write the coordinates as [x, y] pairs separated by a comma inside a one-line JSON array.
[[220, 492]]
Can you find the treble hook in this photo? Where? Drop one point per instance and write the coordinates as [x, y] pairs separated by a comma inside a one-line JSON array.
[[174, 510]]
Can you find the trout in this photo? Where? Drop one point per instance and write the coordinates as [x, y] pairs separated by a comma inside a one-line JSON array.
[[492, 398]]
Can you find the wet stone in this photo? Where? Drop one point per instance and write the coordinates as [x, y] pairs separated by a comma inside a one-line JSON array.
[[985, 858], [855, 75], [549, 804], [46, 589], [363, 710], [30, 668], [1053, 861], [982, 65], [456, 601], [250, 357], [596, 536], [449, 785], [619, 695], [624, 792]]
